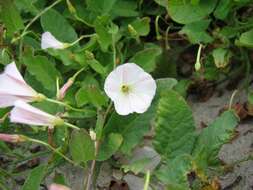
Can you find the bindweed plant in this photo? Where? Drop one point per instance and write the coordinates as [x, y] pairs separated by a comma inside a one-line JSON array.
[[88, 80]]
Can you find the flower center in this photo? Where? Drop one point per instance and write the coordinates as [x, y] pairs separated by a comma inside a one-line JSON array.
[[125, 88]]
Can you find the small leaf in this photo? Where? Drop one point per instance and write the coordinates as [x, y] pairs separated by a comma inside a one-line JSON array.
[[137, 166], [34, 179], [10, 16], [246, 39], [102, 7], [82, 148], [104, 37], [196, 32], [147, 58], [55, 23], [221, 57], [109, 146], [141, 26]]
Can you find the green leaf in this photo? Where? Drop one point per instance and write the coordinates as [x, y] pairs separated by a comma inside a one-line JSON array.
[[175, 128], [174, 173], [137, 166], [102, 7], [55, 23], [184, 12], [196, 32], [81, 146], [223, 8], [141, 26], [221, 57], [96, 66], [163, 3], [132, 128], [147, 58], [246, 39], [214, 136], [44, 71], [34, 179], [109, 146], [102, 30], [9, 15], [125, 8]]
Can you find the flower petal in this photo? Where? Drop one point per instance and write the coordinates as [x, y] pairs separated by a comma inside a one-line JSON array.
[[58, 187], [8, 100], [27, 114], [49, 41], [12, 71], [123, 105]]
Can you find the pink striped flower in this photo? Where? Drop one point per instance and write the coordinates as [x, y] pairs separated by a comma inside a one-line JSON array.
[[11, 138], [55, 186], [13, 87], [27, 114]]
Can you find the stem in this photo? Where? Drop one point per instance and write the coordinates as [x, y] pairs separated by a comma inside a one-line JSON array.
[[77, 73], [71, 126], [198, 63], [147, 180], [158, 36], [52, 148], [114, 52], [232, 99], [64, 104], [81, 37]]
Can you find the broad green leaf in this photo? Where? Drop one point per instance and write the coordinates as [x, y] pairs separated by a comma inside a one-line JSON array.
[[214, 136], [82, 97], [44, 71], [221, 57], [9, 15], [101, 7], [125, 8], [174, 126], [163, 3], [82, 148], [109, 146], [184, 12], [196, 32], [34, 179], [147, 58], [55, 23], [174, 173], [222, 9], [246, 39]]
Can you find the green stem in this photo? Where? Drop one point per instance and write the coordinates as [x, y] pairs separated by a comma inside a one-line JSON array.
[[63, 104], [232, 99], [81, 37], [52, 148], [71, 126], [158, 36], [114, 52], [147, 180]]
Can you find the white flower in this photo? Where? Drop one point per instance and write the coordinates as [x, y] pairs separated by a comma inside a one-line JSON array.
[[27, 114], [49, 41], [13, 87], [130, 88]]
